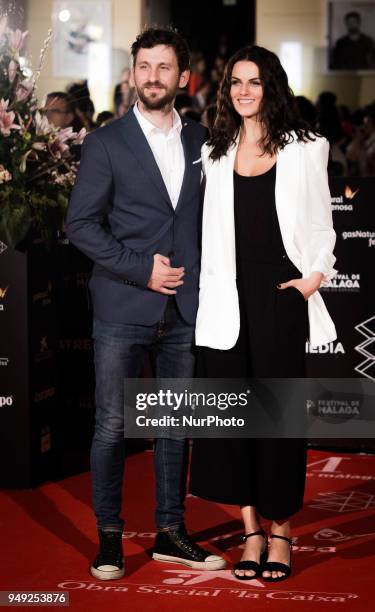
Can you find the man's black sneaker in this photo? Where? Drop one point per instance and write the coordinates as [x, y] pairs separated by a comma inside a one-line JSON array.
[[109, 564], [176, 546]]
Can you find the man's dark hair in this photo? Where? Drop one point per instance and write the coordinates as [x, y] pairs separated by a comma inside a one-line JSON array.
[[163, 36], [352, 15], [62, 95]]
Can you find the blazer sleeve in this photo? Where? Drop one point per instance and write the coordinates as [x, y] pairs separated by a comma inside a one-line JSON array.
[[86, 218], [323, 235]]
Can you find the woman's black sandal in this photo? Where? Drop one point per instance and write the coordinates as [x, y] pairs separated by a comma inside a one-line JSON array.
[[275, 566], [251, 566]]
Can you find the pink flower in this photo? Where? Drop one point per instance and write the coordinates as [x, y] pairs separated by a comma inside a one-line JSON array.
[[12, 70], [66, 134], [16, 39], [5, 175], [24, 90], [42, 125], [80, 136], [6, 119], [4, 104], [58, 147]]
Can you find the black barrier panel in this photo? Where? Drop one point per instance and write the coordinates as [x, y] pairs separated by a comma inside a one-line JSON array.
[[76, 360], [349, 296], [28, 370], [15, 442]]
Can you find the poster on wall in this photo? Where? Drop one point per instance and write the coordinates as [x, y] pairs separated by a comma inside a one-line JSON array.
[[351, 35], [82, 35]]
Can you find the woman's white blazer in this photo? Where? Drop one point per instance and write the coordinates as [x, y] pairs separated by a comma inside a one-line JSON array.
[[303, 205]]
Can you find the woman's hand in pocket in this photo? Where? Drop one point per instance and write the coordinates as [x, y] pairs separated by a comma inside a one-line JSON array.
[[306, 286]]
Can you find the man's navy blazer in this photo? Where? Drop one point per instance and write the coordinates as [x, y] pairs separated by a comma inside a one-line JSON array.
[[120, 215]]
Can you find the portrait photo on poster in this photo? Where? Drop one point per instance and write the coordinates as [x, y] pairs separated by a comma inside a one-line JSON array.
[[351, 36]]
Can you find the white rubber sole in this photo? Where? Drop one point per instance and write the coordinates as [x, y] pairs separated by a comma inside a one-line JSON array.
[[216, 564], [107, 574]]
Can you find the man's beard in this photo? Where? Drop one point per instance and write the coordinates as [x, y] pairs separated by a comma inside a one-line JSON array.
[[156, 103]]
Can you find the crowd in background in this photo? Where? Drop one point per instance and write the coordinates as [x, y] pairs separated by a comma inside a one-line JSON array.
[[350, 132]]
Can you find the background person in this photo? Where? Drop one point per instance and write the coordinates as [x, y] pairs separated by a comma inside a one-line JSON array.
[[85, 108], [60, 109], [125, 94]]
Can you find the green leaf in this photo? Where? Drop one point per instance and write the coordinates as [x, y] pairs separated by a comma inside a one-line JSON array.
[[15, 222]]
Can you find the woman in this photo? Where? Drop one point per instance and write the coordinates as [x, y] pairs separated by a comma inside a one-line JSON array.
[[267, 246]]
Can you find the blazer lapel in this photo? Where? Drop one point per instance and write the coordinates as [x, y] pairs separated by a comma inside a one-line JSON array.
[[189, 151], [137, 143], [226, 198], [288, 171]]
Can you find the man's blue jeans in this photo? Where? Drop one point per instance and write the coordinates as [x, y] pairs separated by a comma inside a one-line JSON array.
[[119, 354]]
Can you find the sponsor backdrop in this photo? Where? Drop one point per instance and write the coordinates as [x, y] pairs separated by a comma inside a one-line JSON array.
[[349, 298], [46, 353]]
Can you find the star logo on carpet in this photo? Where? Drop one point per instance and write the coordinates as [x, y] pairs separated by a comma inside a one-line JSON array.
[[188, 577]]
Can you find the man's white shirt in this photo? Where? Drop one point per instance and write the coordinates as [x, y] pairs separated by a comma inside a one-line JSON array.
[[167, 150]]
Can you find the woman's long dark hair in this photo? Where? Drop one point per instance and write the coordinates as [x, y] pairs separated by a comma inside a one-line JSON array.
[[278, 110]]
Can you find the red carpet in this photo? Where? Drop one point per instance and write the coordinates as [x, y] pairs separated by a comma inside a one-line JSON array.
[[49, 536]]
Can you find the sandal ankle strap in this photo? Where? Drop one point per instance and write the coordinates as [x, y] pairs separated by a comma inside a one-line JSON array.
[[248, 535], [289, 540]]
